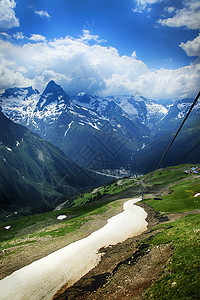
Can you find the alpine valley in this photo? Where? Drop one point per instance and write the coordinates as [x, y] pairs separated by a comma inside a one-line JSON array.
[[59, 203], [35, 175], [101, 133]]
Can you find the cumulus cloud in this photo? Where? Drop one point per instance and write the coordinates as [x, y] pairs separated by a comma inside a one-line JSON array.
[[188, 16], [12, 75], [192, 48], [95, 69], [37, 38], [7, 14], [42, 13]]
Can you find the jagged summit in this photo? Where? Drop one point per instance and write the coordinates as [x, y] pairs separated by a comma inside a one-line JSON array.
[[52, 93], [53, 87], [23, 93]]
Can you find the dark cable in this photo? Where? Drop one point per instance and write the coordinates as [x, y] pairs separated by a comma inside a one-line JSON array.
[[188, 153], [193, 104]]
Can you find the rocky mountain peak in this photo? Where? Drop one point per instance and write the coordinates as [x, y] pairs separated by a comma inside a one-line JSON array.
[[23, 93], [52, 93], [53, 88]]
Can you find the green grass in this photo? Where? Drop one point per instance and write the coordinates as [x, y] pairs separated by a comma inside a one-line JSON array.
[[168, 175], [112, 189], [28, 226], [180, 278], [65, 228], [181, 199]]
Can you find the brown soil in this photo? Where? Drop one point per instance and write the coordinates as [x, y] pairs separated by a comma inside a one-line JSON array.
[[127, 269]]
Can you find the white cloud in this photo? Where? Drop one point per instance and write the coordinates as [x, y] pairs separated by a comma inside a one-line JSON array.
[[192, 48], [19, 35], [141, 5], [78, 66], [42, 13], [7, 14], [134, 55], [12, 75], [188, 16], [86, 37], [5, 35], [169, 9], [37, 38]]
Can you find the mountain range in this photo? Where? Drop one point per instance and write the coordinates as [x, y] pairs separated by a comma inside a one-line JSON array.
[[35, 175], [104, 132]]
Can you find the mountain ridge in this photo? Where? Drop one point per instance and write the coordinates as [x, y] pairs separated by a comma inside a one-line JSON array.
[[98, 133]]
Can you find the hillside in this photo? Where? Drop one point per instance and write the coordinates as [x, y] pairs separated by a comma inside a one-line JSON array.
[[35, 175], [187, 139], [165, 255]]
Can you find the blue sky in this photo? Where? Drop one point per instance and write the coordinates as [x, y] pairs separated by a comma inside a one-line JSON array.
[[148, 47]]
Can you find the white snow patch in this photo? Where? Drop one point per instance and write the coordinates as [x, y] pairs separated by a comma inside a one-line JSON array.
[[7, 227], [197, 195], [83, 108], [93, 125], [81, 94], [183, 105], [69, 126], [61, 217], [44, 277], [155, 110], [180, 115], [126, 106]]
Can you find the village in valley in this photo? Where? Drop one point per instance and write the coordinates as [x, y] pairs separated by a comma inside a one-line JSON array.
[[195, 170]]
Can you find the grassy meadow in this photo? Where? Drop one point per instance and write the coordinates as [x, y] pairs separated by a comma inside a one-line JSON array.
[[180, 278]]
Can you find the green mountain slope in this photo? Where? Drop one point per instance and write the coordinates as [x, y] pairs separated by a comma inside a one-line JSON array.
[[186, 140], [35, 175]]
